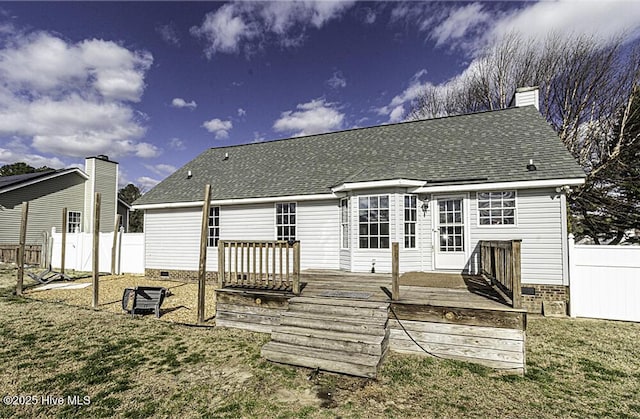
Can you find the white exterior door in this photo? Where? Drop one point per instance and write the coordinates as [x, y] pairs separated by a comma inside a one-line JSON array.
[[451, 240]]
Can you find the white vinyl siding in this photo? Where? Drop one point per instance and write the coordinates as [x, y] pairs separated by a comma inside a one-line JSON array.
[[172, 236], [46, 201], [540, 229]]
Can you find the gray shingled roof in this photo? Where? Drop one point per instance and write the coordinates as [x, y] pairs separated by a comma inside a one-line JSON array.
[[489, 147], [6, 181]]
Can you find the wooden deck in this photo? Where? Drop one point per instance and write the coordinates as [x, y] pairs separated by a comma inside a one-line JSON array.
[[445, 315], [429, 288]]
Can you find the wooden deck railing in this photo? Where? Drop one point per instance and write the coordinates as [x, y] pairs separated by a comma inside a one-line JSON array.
[[500, 262], [259, 264]]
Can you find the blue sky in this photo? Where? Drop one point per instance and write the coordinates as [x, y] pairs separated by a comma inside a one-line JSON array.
[[153, 84]]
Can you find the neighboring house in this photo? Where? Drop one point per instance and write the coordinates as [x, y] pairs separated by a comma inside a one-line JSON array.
[[49, 192], [436, 186]]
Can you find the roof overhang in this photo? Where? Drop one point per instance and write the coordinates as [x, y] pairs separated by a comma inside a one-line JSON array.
[[392, 183], [523, 184], [238, 201], [45, 178]]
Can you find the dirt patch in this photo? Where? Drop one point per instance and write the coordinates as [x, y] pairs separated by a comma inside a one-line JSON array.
[[179, 307]]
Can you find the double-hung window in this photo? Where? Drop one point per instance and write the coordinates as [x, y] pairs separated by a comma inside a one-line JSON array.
[[497, 208], [213, 234], [74, 218], [344, 223], [410, 219], [373, 222], [286, 221]]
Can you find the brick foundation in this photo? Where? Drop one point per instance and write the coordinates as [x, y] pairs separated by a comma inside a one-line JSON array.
[[178, 275], [547, 293]]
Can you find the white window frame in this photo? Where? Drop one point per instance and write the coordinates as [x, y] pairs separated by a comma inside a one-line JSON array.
[[344, 224], [78, 224], [288, 224], [213, 228], [379, 235], [515, 209], [413, 222]]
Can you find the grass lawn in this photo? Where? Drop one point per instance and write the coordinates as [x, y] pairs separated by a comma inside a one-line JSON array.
[[143, 367]]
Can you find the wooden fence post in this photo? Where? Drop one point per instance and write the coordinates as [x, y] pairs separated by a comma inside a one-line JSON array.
[[395, 271], [20, 255], [202, 268], [515, 270], [296, 268], [96, 249], [63, 249], [114, 245]]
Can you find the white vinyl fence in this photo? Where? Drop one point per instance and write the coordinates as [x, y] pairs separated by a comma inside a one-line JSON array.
[[129, 252], [604, 281]]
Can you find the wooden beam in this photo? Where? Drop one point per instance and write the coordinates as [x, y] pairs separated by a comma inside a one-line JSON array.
[[96, 248], [20, 255], [516, 272], [395, 271], [63, 248], [221, 266], [202, 266], [296, 268], [114, 244]]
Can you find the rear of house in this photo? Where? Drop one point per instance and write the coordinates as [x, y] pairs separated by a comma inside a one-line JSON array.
[[437, 187]]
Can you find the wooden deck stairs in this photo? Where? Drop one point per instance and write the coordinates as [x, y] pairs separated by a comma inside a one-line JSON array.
[[343, 335]]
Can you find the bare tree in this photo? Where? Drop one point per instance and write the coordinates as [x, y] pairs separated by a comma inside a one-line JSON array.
[[589, 93]]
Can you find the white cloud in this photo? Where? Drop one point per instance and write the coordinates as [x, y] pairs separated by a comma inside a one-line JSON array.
[[178, 102], [459, 22], [337, 80], [146, 182], [241, 112], [568, 17], [395, 108], [177, 144], [72, 99], [218, 127], [314, 117], [169, 34], [245, 26], [161, 169], [19, 153], [396, 114]]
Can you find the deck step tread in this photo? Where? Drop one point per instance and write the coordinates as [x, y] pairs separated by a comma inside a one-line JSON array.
[[332, 317], [332, 334], [340, 302]]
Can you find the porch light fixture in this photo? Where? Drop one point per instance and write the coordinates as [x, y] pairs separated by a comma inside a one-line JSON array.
[[425, 207]]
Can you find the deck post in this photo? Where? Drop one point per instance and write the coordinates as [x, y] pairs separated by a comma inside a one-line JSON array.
[[63, 248], [515, 271], [96, 249], [202, 266], [220, 264], [395, 271], [20, 253], [296, 268]]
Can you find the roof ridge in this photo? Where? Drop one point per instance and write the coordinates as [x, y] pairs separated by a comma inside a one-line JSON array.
[[415, 121]]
